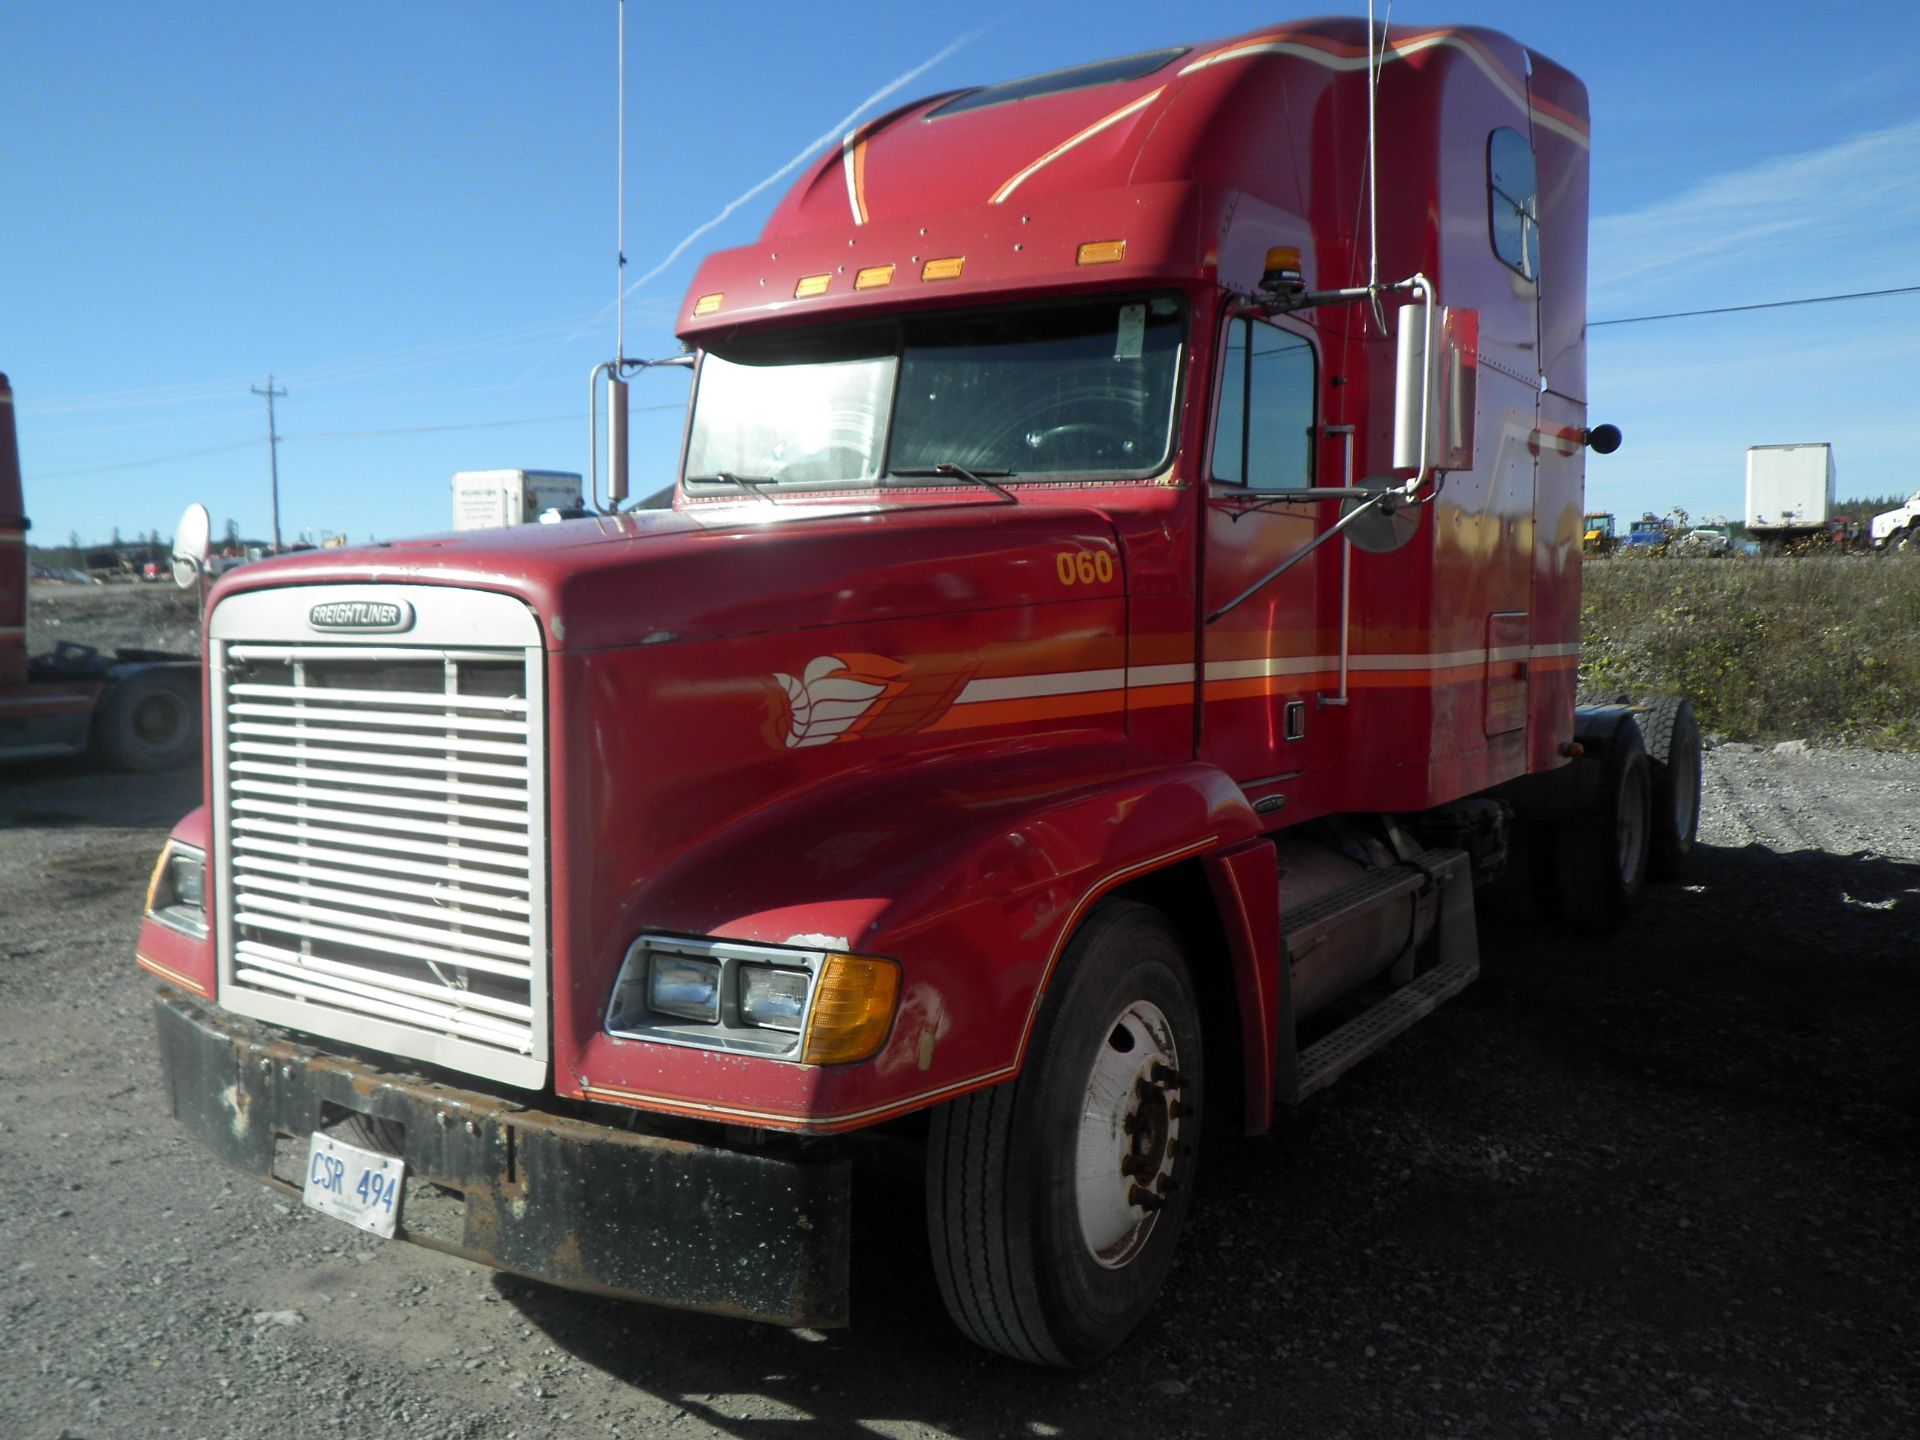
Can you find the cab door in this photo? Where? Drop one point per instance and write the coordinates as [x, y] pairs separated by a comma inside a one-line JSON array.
[[1263, 656]]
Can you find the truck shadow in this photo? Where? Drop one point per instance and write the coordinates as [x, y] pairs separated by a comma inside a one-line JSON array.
[[78, 792], [1697, 1132]]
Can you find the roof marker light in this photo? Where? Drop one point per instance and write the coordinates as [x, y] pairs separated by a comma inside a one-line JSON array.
[[948, 269], [1102, 252], [873, 277], [707, 304], [811, 285]]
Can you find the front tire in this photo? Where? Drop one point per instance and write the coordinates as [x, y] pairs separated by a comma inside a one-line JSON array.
[[1054, 1202]]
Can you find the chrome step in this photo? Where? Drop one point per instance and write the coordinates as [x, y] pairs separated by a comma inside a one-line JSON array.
[[1324, 1061]]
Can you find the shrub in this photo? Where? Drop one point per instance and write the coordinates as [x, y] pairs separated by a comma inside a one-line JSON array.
[[1819, 647]]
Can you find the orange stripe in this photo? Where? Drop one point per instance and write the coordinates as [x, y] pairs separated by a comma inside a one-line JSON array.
[[185, 982]]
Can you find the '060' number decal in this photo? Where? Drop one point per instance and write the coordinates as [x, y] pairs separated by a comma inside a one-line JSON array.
[[1084, 567]]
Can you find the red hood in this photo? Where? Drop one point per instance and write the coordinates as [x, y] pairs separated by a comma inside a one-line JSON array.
[[656, 576]]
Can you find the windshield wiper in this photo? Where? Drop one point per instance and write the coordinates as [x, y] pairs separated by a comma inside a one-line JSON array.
[[948, 469], [755, 483]]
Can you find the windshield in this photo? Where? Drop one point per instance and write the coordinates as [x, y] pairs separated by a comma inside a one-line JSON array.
[[1084, 388]]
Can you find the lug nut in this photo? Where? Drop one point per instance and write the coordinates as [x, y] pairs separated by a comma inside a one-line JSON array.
[[1166, 1075], [1144, 1199]]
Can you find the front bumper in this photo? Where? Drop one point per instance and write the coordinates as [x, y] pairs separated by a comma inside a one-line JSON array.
[[670, 1221]]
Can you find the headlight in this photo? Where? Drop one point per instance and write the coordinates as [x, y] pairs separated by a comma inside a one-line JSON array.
[[773, 999], [819, 1007], [687, 988], [177, 892]]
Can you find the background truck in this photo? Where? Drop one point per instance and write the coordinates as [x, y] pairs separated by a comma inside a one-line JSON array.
[[1649, 534], [1099, 646], [485, 499], [1789, 492], [1897, 531], [139, 710]]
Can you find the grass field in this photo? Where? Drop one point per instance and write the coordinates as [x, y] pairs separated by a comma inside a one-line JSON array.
[[1811, 648]]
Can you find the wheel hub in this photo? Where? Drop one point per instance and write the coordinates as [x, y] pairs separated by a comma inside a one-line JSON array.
[[1129, 1135]]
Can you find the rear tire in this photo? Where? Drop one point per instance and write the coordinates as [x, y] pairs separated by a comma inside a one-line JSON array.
[[1601, 857], [150, 720], [1673, 752], [1042, 1246]]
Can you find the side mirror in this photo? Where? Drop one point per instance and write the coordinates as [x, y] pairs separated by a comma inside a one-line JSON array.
[[1435, 385], [1602, 439], [190, 545]]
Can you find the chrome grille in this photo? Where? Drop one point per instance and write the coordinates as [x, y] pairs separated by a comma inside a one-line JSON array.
[[382, 876]]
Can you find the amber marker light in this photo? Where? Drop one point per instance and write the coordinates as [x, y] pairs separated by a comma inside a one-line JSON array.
[[948, 269], [811, 285], [873, 277], [1102, 252], [853, 1004], [707, 304]]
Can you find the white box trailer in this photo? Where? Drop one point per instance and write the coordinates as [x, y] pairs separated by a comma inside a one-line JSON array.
[[1789, 489], [483, 499]]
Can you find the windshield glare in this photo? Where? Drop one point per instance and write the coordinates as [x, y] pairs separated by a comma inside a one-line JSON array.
[[1077, 389]]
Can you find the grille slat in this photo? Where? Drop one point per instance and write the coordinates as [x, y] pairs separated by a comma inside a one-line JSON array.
[[410, 802], [320, 755], [301, 710], [368, 779], [447, 900], [354, 819], [383, 739], [382, 807], [259, 835], [257, 885], [269, 915], [269, 957]]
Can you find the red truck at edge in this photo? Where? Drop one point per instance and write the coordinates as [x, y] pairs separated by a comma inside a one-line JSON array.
[[1105, 633], [134, 709]]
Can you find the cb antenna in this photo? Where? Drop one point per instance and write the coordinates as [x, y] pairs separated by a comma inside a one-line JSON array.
[[616, 367]]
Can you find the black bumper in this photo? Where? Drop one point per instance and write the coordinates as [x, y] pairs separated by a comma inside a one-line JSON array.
[[666, 1220]]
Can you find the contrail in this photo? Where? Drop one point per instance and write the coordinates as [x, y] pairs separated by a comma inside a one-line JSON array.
[[812, 149]]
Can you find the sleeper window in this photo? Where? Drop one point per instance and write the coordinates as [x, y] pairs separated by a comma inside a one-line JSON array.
[[1513, 202]]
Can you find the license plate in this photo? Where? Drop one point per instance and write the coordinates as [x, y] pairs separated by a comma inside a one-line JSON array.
[[361, 1187]]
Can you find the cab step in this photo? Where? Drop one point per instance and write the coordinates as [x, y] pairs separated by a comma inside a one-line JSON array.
[[1330, 1057], [1438, 877]]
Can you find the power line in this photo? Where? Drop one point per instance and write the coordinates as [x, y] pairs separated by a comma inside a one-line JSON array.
[[1764, 305]]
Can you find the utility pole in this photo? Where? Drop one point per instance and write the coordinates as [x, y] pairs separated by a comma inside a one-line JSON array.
[[273, 456]]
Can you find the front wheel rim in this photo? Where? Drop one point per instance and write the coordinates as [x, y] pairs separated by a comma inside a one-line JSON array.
[[1129, 1135]]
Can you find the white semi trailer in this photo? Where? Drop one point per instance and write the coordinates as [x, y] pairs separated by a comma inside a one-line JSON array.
[[486, 499], [1789, 491]]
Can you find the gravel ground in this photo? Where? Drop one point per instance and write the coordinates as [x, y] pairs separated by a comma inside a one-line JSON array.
[[1659, 1184]]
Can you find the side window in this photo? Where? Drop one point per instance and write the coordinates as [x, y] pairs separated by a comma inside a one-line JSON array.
[[1263, 436], [1513, 202]]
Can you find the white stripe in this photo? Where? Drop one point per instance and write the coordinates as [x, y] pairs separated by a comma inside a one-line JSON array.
[[1023, 687], [846, 168], [1141, 677], [1349, 63], [1000, 196]]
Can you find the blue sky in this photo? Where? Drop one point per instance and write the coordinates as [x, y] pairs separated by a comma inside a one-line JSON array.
[[404, 211]]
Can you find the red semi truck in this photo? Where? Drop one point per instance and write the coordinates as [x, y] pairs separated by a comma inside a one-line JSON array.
[[137, 710], [1105, 632]]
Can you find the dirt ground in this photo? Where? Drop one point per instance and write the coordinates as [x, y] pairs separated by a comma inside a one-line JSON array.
[[1665, 1183]]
